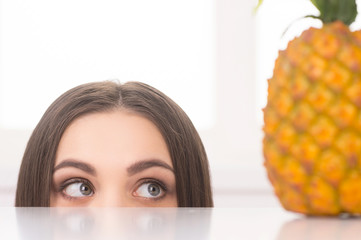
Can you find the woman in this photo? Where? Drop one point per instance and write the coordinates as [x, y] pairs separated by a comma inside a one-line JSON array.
[[109, 144]]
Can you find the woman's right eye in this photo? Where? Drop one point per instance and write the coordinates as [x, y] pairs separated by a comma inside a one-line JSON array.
[[78, 189]]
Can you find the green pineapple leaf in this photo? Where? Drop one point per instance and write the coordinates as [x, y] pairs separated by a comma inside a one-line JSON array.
[[258, 5], [334, 10]]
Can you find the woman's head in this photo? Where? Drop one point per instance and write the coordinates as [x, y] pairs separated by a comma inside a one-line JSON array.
[[139, 109]]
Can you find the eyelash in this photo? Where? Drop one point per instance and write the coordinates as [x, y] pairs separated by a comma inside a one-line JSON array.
[[154, 181], [67, 182]]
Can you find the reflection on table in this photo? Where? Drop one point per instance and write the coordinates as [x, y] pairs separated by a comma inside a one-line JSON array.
[[112, 223], [171, 223], [317, 228]]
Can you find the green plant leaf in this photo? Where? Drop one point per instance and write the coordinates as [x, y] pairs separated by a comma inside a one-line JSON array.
[[318, 4], [258, 5], [347, 11], [333, 10]]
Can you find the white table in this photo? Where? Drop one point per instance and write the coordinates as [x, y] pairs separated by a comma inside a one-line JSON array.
[[171, 223]]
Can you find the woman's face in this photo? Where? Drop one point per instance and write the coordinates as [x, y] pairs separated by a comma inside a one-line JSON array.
[[112, 159]]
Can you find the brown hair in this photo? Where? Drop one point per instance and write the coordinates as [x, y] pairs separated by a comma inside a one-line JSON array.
[[188, 156]]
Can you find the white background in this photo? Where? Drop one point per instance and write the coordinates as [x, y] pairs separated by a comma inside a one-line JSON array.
[[211, 56]]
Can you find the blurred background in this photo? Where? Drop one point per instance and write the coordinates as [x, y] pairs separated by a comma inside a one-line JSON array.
[[212, 57]]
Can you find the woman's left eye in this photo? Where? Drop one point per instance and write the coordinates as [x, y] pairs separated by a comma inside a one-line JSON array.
[[150, 190]]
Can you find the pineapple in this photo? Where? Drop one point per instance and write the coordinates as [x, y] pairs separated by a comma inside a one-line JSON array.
[[312, 120]]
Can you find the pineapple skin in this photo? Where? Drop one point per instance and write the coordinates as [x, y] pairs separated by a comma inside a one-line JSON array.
[[312, 123]]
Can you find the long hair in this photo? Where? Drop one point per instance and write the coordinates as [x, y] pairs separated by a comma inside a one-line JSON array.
[[188, 155]]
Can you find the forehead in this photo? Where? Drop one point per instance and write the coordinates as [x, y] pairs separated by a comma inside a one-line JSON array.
[[115, 138]]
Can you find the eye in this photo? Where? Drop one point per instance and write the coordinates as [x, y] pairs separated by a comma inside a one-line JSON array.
[[78, 189], [150, 190]]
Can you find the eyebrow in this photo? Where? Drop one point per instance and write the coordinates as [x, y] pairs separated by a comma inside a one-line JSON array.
[[143, 165], [76, 164], [131, 170]]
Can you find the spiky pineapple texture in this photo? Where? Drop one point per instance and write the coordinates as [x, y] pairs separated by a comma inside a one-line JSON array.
[[312, 142]]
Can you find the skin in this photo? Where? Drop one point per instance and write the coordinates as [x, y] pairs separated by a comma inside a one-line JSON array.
[[113, 159]]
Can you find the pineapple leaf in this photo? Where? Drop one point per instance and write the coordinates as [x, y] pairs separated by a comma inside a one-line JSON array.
[[318, 4], [347, 11], [333, 10], [307, 16], [258, 5]]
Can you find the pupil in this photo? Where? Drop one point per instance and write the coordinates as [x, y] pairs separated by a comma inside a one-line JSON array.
[[153, 189], [85, 189]]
